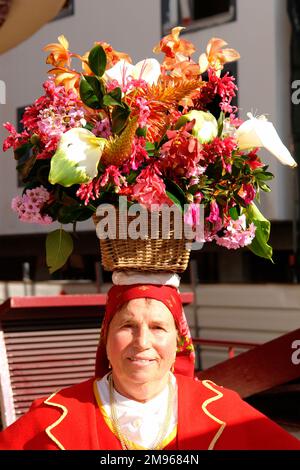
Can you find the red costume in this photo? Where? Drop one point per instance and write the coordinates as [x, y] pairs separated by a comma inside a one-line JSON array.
[[209, 416]]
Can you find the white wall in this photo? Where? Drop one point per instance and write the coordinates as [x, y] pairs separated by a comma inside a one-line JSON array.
[[242, 313], [261, 34]]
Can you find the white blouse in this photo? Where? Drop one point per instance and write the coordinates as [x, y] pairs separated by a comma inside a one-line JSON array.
[[141, 422]]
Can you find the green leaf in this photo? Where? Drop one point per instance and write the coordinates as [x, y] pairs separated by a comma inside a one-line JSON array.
[[265, 187], [119, 118], [23, 150], [175, 193], [220, 123], [132, 177], [114, 98], [88, 94], [89, 126], [259, 245], [97, 60], [174, 199], [25, 164], [150, 148], [234, 213], [239, 162], [141, 131], [67, 214], [59, 246], [264, 175], [194, 189], [96, 85]]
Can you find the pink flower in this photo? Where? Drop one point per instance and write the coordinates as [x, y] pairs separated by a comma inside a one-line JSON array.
[[191, 217], [181, 154], [137, 157], [214, 216], [30, 205], [236, 234], [224, 87], [144, 111], [48, 118], [89, 191], [112, 174], [15, 139], [220, 149], [247, 192], [150, 189], [102, 129]]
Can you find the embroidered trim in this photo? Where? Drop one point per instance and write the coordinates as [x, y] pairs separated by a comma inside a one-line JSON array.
[[207, 384], [107, 419], [57, 422]]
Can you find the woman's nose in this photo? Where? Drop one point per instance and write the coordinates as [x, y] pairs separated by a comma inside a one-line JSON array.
[[142, 337]]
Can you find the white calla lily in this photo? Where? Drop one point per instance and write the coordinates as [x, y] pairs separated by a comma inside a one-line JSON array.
[[147, 69], [205, 128], [259, 132], [76, 158]]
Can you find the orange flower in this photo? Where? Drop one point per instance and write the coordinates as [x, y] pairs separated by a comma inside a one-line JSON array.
[[113, 56], [185, 69], [173, 47], [85, 67], [66, 77], [215, 56], [59, 52]]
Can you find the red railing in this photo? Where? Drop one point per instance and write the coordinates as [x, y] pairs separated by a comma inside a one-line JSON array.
[[230, 345]]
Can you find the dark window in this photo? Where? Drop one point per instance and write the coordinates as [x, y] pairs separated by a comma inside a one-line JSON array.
[[20, 128], [195, 15]]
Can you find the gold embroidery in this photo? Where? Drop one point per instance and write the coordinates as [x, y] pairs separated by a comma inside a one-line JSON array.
[[207, 383], [57, 422], [144, 288]]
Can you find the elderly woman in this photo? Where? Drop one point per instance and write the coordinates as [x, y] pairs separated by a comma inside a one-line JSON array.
[[144, 395]]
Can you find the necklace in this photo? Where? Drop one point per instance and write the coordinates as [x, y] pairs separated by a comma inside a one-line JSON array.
[[125, 443]]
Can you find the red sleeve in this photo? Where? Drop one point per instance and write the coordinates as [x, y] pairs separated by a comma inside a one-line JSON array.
[[28, 432], [247, 428]]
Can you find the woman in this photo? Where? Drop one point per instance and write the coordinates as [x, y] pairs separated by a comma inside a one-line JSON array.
[[136, 401]]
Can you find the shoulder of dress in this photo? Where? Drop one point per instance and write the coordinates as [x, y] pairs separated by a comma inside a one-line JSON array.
[[207, 386], [71, 392]]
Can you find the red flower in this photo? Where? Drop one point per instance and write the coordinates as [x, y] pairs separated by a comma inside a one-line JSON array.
[[253, 160], [181, 154]]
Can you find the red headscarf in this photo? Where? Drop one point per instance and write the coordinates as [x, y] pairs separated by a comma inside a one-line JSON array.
[[168, 295]]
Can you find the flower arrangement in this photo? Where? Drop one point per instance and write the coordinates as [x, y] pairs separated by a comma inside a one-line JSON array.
[[157, 133]]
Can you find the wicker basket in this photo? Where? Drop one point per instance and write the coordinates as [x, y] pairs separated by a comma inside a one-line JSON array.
[[150, 254]]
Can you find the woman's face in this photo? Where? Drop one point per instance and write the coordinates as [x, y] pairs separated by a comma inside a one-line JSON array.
[[141, 347]]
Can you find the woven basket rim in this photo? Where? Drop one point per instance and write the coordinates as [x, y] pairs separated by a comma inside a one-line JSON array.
[[149, 254]]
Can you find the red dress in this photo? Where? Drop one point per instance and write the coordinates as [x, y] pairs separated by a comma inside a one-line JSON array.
[[209, 417]]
